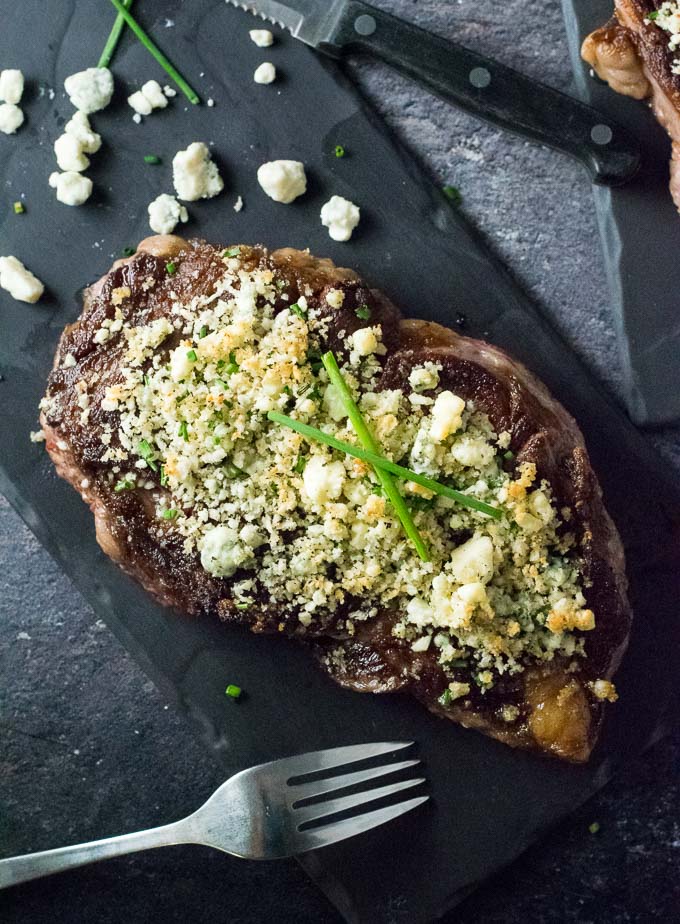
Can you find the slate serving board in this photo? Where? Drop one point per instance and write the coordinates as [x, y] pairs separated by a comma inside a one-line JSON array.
[[640, 230], [489, 802]]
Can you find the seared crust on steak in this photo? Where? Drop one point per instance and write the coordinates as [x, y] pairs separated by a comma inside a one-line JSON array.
[[554, 707], [632, 55]]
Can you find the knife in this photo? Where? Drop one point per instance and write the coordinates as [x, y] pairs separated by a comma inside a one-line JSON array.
[[486, 88]]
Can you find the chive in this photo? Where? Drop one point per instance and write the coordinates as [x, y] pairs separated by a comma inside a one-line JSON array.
[[203, 332], [167, 66], [232, 366], [380, 462], [113, 38], [184, 431], [287, 390], [169, 514], [594, 827], [19, 208], [234, 471], [339, 150], [299, 466], [145, 379], [152, 159], [231, 252], [171, 268], [242, 605], [445, 698], [363, 312], [233, 691], [124, 485], [509, 455], [300, 312], [164, 477], [191, 356], [366, 437], [129, 251], [452, 194], [653, 15], [145, 450]]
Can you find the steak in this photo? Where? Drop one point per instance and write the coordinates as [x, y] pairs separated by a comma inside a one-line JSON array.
[[553, 704], [631, 53]]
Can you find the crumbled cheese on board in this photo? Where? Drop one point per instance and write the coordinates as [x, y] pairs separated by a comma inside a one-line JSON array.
[[311, 528], [148, 98], [265, 73], [341, 217], [90, 90], [263, 38], [194, 174], [165, 213], [283, 180], [21, 284], [11, 118], [11, 86], [72, 188]]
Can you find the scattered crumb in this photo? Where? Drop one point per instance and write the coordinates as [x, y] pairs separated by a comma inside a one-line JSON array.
[[238, 205]]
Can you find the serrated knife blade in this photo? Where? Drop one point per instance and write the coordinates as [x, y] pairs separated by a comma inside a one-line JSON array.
[[484, 87]]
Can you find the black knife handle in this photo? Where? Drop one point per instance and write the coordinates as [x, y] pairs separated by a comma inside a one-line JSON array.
[[491, 91]]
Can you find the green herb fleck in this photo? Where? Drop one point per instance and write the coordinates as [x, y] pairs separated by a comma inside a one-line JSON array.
[[243, 604], [152, 159], [287, 390], [191, 356], [146, 451], [594, 827], [231, 252], [124, 485], [653, 15], [233, 691], [164, 477], [129, 251], [298, 310], [171, 268], [452, 194], [234, 471], [183, 431], [19, 208], [299, 466], [203, 332], [509, 455], [145, 379], [339, 150], [232, 366], [445, 698], [363, 312], [170, 514]]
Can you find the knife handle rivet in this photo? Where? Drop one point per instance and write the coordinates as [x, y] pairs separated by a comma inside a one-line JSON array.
[[601, 134], [365, 24], [480, 77]]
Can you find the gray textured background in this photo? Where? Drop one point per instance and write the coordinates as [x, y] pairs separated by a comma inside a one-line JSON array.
[[87, 745]]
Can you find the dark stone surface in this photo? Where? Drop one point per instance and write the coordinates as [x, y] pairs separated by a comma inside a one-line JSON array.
[[87, 745]]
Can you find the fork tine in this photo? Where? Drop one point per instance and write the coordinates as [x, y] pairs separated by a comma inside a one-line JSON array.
[[333, 758], [339, 830], [299, 791], [321, 810]]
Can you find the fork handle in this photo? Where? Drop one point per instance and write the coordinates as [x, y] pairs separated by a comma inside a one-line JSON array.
[[29, 866]]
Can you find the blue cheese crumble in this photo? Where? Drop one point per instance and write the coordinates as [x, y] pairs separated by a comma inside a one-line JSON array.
[[312, 528]]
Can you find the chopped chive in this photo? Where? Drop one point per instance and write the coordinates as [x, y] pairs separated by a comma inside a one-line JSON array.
[[231, 252], [452, 194], [171, 268], [380, 462], [129, 251], [232, 366], [145, 450], [445, 698], [164, 476], [170, 514], [299, 466], [509, 455], [287, 390], [124, 485], [233, 691], [363, 312], [203, 332], [234, 471], [339, 150], [19, 208], [366, 438], [242, 605], [114, 37], [183, 431], [653, 15], [191, 356], [594, 827], [153, 49], [145, 379], [152, 159], [298, 310]]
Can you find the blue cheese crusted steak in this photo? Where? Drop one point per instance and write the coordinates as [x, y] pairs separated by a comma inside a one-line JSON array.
[[638, 54], [156, 412]]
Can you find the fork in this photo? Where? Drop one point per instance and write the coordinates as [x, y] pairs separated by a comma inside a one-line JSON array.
[[264, 813]]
